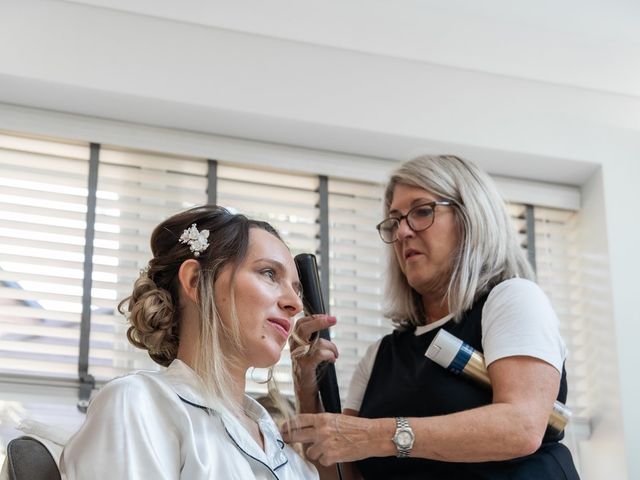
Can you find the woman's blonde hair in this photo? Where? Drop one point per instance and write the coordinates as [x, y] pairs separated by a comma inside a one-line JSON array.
[[153, 308], [489, 251]]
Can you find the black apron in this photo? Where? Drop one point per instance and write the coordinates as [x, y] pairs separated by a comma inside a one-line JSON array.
[[405, 383]]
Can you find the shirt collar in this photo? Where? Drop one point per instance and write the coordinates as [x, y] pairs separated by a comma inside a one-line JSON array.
[[422, 329], [186, 384]]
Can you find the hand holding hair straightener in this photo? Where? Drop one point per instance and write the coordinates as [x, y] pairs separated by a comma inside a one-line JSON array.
[[458, 357], [313, 304]]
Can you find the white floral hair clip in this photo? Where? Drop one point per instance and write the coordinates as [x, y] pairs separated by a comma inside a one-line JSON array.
[[197, 240]]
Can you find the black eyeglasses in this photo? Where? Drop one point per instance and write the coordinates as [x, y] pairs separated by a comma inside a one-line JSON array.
[[419, 218]]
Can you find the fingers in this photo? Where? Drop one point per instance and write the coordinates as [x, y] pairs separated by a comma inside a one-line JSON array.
[[321, 435], [314, 453], [319, 350], [318, 454], [307, 354], [303, 427], [306, 358], [307, 326], [301, 435], [324, 350]]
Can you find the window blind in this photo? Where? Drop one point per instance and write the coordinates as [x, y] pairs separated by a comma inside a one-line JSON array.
[[43, 200], [291, 204], [553, 241], [357, 260], [557, 273], [43, 193], [136, 191], [558, 268]]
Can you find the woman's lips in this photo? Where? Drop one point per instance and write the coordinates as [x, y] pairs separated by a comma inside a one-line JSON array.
[[410, 252], [282, 325]]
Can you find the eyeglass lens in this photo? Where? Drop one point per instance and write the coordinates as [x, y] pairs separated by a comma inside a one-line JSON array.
[[419, 218]]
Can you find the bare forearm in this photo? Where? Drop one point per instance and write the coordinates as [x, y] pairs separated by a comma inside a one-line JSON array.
[[512, 426], [494, 432], [490, 433]]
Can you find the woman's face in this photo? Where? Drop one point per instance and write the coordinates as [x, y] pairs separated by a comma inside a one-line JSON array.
[[266, 298], [424, 257]]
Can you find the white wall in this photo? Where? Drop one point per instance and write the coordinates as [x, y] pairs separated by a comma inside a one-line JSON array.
[[620, 176], [373, 108], [155, 71], [600, 340]]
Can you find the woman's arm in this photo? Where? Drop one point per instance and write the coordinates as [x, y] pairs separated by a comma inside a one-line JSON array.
[[349, 470], [513, 425], [524, 389]]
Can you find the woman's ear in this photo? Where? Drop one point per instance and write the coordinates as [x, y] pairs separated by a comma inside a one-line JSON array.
[[188, 274]]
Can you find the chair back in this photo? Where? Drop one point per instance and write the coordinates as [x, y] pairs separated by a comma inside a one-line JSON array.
[[29, 459]]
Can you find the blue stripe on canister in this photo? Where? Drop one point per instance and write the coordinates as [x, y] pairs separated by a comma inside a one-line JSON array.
[[461, 359]]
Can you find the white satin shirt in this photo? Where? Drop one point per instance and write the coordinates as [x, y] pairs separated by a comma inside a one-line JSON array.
[[156, 425]]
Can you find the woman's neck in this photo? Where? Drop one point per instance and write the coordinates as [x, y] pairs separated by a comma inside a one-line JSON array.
[[187, 354], [435, 309], [238, 375]]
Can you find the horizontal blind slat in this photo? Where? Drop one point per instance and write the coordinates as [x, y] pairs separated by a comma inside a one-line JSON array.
[[57, 148], [139, 191]]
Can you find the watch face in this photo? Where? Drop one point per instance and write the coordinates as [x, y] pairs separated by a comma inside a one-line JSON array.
[[404, 438]]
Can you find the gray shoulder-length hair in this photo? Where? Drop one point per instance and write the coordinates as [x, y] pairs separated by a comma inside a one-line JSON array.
[[489, 251]]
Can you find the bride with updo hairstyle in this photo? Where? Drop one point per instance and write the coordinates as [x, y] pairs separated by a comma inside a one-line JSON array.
[[218, 297]]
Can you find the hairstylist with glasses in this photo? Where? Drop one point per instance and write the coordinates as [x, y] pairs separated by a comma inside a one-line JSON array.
[[455, 264]]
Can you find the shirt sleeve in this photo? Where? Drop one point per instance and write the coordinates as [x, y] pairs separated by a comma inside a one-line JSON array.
[[360, 378], [518, 319], [129, 433]]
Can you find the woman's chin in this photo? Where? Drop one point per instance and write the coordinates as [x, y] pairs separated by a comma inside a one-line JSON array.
[[268, 360]]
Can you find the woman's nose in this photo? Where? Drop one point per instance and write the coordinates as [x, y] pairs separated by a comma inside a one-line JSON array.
[[404, 230], [291, 301]]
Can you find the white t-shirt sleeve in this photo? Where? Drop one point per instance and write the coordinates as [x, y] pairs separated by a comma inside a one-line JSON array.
[[360, 378], [518, 319]]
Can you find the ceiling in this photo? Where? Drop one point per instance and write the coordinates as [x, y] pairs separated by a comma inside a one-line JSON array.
[[593, 44], [538, 90]]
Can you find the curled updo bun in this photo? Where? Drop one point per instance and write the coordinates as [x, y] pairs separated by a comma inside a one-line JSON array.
[[152, 318]]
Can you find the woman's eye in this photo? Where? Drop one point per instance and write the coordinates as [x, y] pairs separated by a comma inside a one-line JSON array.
[[270, 273], [423, 212], [390, 227]]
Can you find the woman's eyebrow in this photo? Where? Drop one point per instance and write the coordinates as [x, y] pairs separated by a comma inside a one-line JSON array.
[[274, 263], [417, 201]]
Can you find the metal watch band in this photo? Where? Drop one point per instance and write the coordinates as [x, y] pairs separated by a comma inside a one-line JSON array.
[[402, 426], [402, 422]]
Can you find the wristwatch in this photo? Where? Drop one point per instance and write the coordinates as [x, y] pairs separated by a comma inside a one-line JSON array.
[[403, 438]]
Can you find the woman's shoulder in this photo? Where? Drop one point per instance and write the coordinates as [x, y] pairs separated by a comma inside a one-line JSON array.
[[516, 291], [516, 285], [142, 387], [517, 295], [136, 414], [135, 380], [518, 319]]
